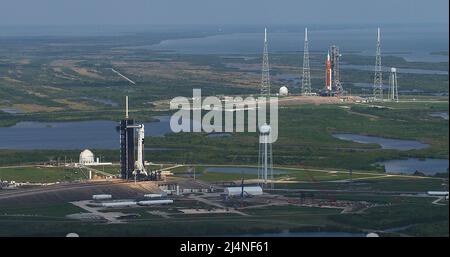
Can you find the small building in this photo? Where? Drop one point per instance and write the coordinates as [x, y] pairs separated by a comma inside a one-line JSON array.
[[283, 91], [248, 191], [86, 157]]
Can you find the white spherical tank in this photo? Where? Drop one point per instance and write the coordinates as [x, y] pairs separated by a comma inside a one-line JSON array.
[[283, 91], [86, 157], [393, 69], [264, 129], [372, 235]]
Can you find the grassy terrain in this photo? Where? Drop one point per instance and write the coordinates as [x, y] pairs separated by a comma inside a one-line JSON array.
[[41, 174], [44, 210], [403, 213], [305, 139], [418, 216]]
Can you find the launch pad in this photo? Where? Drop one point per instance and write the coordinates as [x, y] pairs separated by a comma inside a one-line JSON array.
[[131, 167], [333, 85]]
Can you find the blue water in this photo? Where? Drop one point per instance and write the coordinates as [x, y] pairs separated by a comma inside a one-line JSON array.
[[385, 143], [443, 115], [411, 165], [71, 135], [413, 42], [399, 70]]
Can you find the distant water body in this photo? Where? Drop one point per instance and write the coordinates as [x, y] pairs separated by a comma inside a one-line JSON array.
[[385, 143], [415, 43], [412, 42], [97, 134]]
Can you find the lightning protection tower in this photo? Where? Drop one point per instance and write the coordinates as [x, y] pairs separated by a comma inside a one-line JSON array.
[[265, 163], [378, 80], [393, 85], [265, 79], [306, 78]]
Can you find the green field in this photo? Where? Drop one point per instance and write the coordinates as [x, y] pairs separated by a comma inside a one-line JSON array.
[[406, 216], [41, 174]]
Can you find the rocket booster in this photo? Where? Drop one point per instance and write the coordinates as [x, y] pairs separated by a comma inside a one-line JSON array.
[[328, 73]]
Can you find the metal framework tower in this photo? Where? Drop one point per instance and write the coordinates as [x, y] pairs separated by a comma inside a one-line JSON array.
[[126, 145], [393, 85], [265, 163], [265, 79], [306, 78], [336, 74], [378, 80]]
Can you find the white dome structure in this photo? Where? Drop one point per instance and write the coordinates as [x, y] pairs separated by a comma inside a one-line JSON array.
[[372, 235], [86, 157], [264, 129], [283, 91]]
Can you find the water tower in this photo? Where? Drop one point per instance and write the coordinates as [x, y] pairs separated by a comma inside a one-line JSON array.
[[265, 163], [393, 86]]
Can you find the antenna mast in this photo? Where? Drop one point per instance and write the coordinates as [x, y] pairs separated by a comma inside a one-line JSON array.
[[265, 79], [378, 80], [306, 78]]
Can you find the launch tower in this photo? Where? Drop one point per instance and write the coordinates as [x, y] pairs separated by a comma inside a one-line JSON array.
[[378, 80], [265, 79], [306, 78]]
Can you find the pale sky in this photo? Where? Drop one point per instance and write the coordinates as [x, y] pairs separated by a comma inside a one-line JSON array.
[[126, 12]]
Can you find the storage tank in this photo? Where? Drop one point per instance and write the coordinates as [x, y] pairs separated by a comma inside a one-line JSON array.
[[119, 204], [438, 193], [248, 190], [101, 197], [154, 202], [153, 195]]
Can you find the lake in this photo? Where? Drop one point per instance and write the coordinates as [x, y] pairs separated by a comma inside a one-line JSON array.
[[385, 143], [411, 165], [414, 43], [388, 69], [443, 115], [97, 134]]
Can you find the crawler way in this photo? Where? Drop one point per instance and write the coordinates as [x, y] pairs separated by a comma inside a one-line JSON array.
[[65, 192]]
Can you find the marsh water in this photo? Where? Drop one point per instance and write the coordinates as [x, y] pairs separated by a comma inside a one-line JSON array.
[[443, 115], [409, 166], [385, 143], [97, 134], [414, 43]]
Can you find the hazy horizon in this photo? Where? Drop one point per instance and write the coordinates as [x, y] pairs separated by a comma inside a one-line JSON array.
[[230, 12]]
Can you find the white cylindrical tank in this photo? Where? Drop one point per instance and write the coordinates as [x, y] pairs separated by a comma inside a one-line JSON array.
[[283, 91], [101, 197], [86, 157], [438, 193], [119, 204], [153, 195], [248, 190], [154, 202]]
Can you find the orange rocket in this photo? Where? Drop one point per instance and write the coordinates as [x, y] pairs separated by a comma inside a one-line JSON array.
[[328, 73]]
